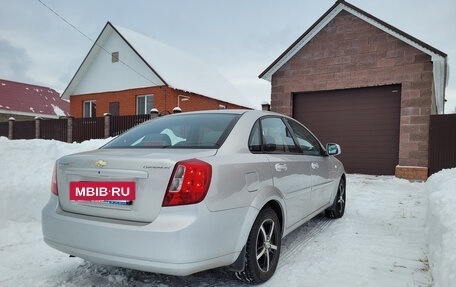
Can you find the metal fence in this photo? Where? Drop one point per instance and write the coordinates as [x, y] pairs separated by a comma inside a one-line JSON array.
[[442, 142], [88, 128], [24, 130], [442, 133], [54, 129], [120, 124], [71, 129], [4, 128]]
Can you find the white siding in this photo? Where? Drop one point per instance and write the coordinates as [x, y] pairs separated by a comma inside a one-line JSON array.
[[102, 75]]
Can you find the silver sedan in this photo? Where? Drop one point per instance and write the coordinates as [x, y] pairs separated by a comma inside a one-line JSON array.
[[194, 191]]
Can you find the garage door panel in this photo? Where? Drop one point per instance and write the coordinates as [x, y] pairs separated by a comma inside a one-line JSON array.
[[352, 116], [360, 109], [362, 134], [364, 121]]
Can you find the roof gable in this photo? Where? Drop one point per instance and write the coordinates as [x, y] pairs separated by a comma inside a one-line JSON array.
[[31, 100], [165, 66], [97, 73], [439, 58]]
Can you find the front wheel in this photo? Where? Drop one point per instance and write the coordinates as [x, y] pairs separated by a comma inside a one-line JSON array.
[[263, 248], [337, 210]]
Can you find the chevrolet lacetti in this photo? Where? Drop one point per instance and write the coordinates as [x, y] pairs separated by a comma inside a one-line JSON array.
[[194, 191]]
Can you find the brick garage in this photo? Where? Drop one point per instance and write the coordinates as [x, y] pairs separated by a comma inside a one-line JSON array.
[[349, 49]]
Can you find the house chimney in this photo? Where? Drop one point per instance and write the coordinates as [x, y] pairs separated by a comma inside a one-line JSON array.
[[265, 106]]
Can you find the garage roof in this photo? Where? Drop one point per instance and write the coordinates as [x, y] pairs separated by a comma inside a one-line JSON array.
[[438, 57]]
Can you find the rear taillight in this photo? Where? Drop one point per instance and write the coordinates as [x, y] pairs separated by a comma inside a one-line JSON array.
[[54, 188], [189, 183]]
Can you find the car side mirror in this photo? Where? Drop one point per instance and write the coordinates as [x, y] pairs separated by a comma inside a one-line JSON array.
[[333, 149]]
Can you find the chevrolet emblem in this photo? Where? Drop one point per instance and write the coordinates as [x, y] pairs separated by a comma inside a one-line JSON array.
[[101, 163]]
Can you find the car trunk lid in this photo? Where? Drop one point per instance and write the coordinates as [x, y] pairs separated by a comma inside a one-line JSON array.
[[148, 170]]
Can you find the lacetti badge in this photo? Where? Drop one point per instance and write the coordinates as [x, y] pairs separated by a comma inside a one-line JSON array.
[[101, 163]]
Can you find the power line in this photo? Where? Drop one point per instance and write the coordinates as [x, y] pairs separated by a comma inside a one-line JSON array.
[[65, 20], [91, 40]]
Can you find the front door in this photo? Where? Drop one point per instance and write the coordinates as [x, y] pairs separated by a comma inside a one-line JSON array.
[[319, 165], [321, 182]]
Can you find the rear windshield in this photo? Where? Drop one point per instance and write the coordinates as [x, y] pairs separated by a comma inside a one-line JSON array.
[[178, 131]]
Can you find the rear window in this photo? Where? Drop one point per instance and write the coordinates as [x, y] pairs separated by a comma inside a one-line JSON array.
[[178, 131]]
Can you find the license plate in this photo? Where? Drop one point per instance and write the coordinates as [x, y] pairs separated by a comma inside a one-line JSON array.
[[119, 202], [119, 192]]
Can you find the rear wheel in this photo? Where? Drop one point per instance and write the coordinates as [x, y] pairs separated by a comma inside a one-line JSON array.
[[262, 249], [337, 210]]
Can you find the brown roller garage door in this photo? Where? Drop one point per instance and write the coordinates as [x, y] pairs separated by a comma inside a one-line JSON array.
[[364, 121]]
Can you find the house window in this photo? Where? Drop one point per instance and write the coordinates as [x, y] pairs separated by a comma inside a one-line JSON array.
[[144, 104], [89, 109], [115, 57]]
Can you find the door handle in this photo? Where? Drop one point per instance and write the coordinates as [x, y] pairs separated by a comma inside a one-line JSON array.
[[315, 165], [280, 167]]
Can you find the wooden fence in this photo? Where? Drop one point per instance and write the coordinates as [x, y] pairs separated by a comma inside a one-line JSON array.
[[71, 129], [442, 142]]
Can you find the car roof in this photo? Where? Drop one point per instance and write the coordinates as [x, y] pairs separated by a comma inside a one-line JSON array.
[[229, 111]]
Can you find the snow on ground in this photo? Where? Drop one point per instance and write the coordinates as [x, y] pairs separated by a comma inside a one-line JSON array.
[[385, 238], [442, 226]]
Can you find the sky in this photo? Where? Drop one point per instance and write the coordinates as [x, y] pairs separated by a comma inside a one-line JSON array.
[[238, 38]]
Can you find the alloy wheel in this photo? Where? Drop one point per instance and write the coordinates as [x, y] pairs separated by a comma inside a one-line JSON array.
[[266, 246]]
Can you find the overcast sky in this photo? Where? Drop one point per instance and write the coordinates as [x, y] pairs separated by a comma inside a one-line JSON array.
[[239, 38]]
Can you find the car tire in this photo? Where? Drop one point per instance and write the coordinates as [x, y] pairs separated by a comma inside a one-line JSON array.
[[262, 249], [337, 209]]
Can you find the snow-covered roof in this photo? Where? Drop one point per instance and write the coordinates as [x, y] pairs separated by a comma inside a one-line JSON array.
[[31, 100], [169, 66], [183, 71]]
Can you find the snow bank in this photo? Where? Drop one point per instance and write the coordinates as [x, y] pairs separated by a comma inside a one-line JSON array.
[[442, 226], [25, 177]]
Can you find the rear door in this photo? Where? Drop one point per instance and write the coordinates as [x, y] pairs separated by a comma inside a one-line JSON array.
[[290, 168]]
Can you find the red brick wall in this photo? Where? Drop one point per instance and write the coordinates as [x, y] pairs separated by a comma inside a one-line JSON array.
[[350, 53], [165, 100]]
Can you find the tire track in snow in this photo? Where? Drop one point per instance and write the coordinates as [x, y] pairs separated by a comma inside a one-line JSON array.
[[294, 242]]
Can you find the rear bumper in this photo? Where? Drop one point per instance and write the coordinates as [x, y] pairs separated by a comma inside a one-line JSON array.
[[181, 240]]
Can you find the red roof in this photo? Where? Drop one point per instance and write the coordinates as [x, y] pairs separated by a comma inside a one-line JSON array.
[[26, 99]]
